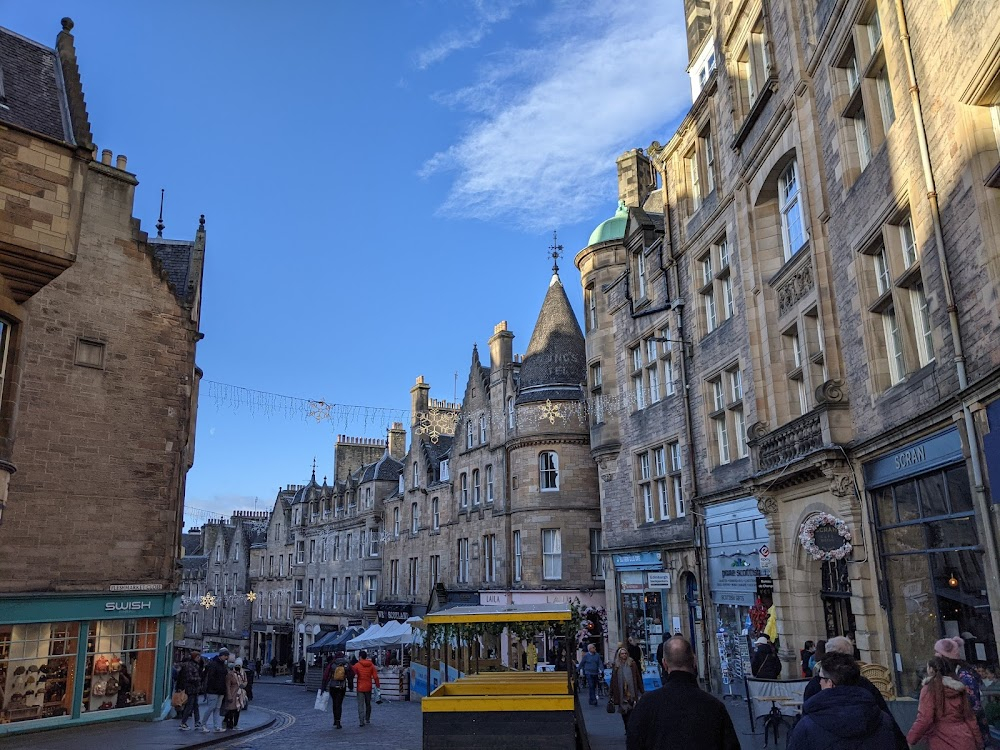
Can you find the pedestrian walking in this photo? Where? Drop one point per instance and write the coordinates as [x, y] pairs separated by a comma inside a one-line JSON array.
[[842, 645], [634, 651], [626, 683], [258, 664], [274, 666], [215, 689], [944, 715], [190, 676], [952, 650], [816, 656], [804, 656], [680, 715], [765, 663], [231, 705], [248, 672], [367, 679], [335, 677], [590, 667], [842, 714]]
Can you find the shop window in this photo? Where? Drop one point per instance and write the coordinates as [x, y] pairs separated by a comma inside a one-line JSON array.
[[121, 664], [932, 557], [37, 670]]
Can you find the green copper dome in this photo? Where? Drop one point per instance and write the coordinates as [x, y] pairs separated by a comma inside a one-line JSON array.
[[613, 228]]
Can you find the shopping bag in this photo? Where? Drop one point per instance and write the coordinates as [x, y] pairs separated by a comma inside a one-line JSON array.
[[376, 694], [178, 699], [322, 700]]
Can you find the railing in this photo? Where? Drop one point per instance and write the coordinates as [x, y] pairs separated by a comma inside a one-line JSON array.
[[790, 442]]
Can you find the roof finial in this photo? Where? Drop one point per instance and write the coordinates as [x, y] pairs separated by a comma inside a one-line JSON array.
[[556, 253], [314, 469], [160, 226]]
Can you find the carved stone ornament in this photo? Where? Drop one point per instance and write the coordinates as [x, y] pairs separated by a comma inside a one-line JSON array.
[[841, 485], [831, 392], [767, 505], [797, 286], [607, 476], [756, 431]]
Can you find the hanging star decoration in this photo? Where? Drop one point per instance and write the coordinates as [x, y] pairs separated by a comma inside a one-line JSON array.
[[251, 596], [208, 601], [436, 423], [550, 411]]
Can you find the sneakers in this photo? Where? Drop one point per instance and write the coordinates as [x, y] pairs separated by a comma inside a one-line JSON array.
[[185, 728]]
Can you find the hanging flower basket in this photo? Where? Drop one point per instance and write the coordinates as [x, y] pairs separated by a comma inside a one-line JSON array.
[[807, 535]]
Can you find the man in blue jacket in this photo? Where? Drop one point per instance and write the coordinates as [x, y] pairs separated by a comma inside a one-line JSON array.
[[842, 715], [590, 667]]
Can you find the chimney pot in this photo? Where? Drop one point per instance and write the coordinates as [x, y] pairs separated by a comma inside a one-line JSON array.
[[122, 161], [106, 156]]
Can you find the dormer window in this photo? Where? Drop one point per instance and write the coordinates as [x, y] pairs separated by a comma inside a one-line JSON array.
[[402, 484], [445, 476]]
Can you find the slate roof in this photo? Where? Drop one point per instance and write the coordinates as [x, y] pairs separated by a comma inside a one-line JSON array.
[[385, 469], [175, 257], [436, 453], [555, 363], [31, 81], [193, 562], [191, 543]]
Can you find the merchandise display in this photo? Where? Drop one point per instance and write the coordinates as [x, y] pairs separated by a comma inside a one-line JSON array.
[[36, 673]]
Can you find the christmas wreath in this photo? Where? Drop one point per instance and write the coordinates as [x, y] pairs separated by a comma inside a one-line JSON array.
[[807, 535]]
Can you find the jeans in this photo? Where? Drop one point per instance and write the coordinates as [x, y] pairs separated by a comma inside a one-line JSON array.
[[191, 707], [591, 688], [214, 717], [364, 707], [338, 705]]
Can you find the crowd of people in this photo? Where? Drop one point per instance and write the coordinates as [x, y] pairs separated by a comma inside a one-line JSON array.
[[223, 683]]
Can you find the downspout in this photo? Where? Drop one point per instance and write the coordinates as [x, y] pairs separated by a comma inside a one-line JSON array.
[[982, 505]]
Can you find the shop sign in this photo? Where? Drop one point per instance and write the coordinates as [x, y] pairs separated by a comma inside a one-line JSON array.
[[638, 561], [658, 580], [765, 587], [63, 608], [825, 537], [494, 597], [916, 458], [135, 587], [632, 581], [354, 622], [387, 612]]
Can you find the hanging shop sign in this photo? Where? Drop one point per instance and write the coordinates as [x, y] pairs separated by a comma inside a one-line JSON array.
[[765, 587], [387, 611], [825, 537], [658, 580]]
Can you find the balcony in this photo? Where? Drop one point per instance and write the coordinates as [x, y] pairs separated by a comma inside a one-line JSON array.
[[826, 427]]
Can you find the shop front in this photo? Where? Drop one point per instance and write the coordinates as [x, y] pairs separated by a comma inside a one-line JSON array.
[[738, 567], [931, 555], [642, 585], [73, 659]]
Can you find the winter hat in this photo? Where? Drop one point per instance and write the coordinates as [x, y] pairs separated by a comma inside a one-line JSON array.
[[950, 648], [761, 641], [223, 651], [239, 661]]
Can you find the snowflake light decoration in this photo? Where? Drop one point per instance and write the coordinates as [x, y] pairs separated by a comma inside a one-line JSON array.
[[257, 527], [251, 596], [208, 601], [320, 411], [436, 423], [550, 411]]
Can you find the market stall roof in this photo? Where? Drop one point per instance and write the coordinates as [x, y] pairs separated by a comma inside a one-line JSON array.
[[324, 642], [394, 633], [340, 642], [365, 639], [500, 613]]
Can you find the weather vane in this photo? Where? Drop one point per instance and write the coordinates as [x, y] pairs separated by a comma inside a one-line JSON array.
[[556, 252]]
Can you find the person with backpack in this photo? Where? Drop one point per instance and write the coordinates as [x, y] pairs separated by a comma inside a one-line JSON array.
[[335, 677], [367, 679]]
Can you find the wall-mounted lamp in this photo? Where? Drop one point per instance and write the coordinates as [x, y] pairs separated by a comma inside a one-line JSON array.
[[953, 580]]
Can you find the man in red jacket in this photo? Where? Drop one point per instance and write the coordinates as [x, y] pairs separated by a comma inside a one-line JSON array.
[[365, 674]]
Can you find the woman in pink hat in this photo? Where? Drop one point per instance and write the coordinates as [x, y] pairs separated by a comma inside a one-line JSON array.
[[944, 716], [952, 651]]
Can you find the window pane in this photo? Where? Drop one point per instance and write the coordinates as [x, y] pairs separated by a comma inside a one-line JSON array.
[[906, 502], [933, 501], [960, 532], [958, 489], [904, 539], [914, 616]]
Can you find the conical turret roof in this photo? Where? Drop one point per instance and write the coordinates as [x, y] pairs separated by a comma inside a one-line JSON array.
[[555, 364]]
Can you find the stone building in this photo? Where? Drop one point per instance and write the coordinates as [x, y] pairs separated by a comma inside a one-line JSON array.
[[98, 327], [829, 256], [323, 563], [498, 501]]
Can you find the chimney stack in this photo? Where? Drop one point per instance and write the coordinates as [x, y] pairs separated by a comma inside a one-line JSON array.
[[397, 441], [636, 178], [501, 346], [418, 399]]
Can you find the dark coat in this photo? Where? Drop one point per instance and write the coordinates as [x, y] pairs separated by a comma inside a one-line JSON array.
[[328, 681], [680, 716], [190, 675], [765, 663], [215, 676], [845, 717], [813, 688]]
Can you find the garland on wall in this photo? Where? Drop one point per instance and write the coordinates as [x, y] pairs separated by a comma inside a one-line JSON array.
[[807, 536]]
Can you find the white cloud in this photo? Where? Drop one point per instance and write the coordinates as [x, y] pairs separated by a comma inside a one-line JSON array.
[[551, 118], [486, 14]]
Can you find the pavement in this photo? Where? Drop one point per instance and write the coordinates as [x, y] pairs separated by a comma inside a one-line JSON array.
[[282, 715]]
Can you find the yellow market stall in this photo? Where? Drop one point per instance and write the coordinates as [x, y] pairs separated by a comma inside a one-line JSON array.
[[527, 710]]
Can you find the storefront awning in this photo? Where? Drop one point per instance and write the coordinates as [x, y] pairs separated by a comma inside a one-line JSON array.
[[319, 646]]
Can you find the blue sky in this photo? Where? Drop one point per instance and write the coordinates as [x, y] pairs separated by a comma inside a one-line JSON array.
[[380, 183]]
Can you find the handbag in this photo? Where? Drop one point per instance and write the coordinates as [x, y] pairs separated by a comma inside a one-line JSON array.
[[102, 665], [322, 700], [376, 693], [611, 706], [178, 699]]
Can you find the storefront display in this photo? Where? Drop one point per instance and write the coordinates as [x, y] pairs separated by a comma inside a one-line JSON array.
[[930, 551], [642, 587], [67, 659]]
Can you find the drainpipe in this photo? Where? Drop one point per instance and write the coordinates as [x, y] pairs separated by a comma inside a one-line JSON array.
[[979, 491]]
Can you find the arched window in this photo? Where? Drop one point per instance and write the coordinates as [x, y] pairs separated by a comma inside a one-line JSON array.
[[548, 470]]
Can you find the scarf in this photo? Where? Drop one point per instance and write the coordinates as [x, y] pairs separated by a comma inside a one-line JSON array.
[[627, 690]]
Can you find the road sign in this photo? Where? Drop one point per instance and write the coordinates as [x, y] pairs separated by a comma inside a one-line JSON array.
[[765, 557]]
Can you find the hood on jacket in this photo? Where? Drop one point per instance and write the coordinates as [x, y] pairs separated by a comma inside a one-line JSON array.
[[951, 685], [845, 711]]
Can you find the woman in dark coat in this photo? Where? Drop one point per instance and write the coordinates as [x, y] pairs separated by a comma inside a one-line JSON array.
[[626, 683]]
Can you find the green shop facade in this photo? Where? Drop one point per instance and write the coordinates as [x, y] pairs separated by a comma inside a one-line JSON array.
[[77, 658]]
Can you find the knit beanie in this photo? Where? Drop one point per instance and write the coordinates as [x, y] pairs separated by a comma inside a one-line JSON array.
[[950, 648]]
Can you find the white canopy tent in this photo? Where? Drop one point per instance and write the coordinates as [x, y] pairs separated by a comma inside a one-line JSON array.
[[364, 640], [394, 634]]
